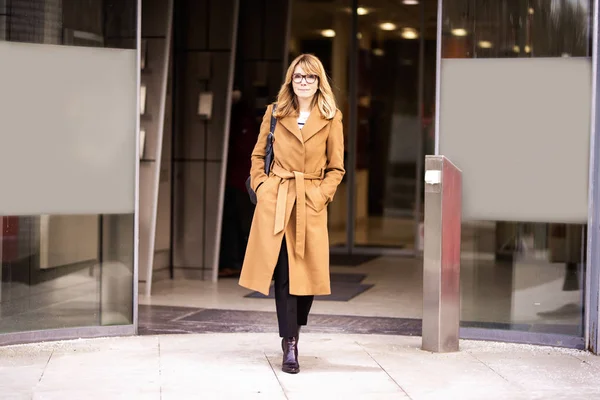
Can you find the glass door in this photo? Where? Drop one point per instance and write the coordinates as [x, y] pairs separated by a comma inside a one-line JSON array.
[[325, 30], [395, 93], [381, 58]]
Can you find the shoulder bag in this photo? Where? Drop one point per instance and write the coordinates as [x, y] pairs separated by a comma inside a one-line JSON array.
[[269, 155]]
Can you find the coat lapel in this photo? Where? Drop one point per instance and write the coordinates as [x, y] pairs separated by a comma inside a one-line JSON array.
[[291, 124], [313, 125]]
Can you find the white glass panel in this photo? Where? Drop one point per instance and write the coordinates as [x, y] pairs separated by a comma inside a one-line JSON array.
[[519, 129], [67, 143]]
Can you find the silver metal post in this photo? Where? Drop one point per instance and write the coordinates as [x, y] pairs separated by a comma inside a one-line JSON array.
[[441, 256], [592, 286]]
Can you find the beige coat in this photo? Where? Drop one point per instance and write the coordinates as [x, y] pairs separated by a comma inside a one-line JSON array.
[[308, 167]]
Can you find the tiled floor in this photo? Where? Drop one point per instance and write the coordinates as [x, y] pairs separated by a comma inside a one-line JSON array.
[[526, 294], [333, 366]]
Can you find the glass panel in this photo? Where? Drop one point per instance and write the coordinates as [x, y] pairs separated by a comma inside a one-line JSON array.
[[67, 252], [324, 29], [519, 275], [392, 125], [523, 276], [516, 28], [61, 271], [91, 23]]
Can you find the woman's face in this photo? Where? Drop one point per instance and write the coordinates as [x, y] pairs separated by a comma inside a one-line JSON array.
[[305, 86]]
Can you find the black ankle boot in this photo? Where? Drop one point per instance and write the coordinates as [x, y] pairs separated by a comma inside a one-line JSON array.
[[290, 355]]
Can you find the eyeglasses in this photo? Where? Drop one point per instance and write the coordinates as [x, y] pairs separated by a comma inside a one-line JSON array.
[[297, 78]]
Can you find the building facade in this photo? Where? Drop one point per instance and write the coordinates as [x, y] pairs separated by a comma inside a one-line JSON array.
[[116, 119]]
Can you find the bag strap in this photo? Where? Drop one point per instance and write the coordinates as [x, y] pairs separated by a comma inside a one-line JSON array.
[[273, 120]]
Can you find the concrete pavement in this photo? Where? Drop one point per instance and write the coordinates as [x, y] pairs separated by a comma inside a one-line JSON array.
[[247, 366]]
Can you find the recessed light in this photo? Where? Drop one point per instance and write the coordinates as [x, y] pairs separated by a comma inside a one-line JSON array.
[[409, 33], [459, 32], [410, 2], [328, 33], [485, 44], [387, 26], [359, 10]]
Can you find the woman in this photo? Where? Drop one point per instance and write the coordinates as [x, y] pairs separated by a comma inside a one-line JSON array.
[[288, 239]]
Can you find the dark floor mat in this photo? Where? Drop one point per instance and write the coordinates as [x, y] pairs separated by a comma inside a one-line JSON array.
[[347, 260], [347, 277], [259, 321], [344, 287], [340, 291], [157, 320]]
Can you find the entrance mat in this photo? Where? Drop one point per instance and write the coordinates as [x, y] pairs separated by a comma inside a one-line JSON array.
[[259, 321], [340, 291], [347, 277], [158, 320], [344, 287], [350, 260]]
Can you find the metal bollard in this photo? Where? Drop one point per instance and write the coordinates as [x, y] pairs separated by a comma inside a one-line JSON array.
[[441, 255]]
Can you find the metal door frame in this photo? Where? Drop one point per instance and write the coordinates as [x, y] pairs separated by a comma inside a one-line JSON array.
[[592, 277]]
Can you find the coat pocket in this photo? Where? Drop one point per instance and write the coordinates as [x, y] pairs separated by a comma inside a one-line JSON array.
[[265, 186], [315, 199]]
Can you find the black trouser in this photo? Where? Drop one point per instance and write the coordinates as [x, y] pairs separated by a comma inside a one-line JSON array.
[[292, 311]]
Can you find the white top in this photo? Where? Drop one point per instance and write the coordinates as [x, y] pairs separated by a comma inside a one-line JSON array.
[[302, 118]]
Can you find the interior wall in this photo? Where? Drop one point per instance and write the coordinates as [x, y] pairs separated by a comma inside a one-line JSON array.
[[203, 32]]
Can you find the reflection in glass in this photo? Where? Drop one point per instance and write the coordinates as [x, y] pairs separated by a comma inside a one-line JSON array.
[[91, 23], [61, 271], [516, 28], [523, 276]]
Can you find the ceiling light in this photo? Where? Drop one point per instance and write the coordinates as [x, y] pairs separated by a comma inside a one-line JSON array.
[[459, 32], [387, 26], [409, 33], [378, 52], [410, 2], [328, 33], [359, 10], [485, 44]]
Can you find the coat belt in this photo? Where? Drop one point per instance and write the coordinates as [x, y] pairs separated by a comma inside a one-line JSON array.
[[299, 178]]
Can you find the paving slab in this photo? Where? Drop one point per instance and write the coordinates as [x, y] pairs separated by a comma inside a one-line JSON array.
[[248, 366]]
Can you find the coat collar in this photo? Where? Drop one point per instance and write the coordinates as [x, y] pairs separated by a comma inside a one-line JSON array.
[[313, 125]]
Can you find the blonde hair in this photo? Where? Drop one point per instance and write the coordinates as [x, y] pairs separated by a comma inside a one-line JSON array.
[[324, 100]]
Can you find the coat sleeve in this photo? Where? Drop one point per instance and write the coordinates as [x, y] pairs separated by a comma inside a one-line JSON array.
[[257, 169], [334, 172]]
